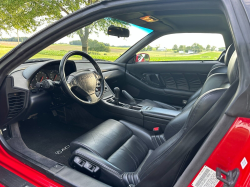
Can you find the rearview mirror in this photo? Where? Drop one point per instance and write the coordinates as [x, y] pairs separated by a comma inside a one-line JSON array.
[[142, 57], [118, 31]]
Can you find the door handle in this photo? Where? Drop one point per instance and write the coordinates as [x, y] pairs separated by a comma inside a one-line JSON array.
[[152, 79]]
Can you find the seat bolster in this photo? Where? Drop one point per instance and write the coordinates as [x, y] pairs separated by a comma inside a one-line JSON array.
[[176, 124], [109, 173], [215, 81], [194, 96], [146, 136], [218, 69]]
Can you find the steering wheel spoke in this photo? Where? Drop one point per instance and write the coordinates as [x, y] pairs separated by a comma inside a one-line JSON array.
[[72, 83], [93, 98], [98, 76]]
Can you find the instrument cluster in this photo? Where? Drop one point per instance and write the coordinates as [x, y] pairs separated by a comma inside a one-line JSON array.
[[51, 72]]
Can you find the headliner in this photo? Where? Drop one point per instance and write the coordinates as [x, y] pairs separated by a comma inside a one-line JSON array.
[[182, 17]]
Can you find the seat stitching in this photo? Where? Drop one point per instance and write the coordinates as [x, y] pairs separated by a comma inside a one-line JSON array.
[[157, 145], [164, 138], [160, 139], [133, 180], [183, 162], [130, 156], [91, 150], [141, 145]]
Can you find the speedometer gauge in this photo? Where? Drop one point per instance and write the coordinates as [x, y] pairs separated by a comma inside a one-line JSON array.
[[54, 75], [39, 77]]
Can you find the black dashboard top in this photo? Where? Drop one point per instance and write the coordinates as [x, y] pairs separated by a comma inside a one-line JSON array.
[[27, 73]]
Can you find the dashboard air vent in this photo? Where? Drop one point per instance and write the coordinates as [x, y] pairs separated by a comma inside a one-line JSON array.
[[16, 103]]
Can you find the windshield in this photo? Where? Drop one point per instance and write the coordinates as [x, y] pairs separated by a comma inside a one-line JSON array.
[[93, 39]]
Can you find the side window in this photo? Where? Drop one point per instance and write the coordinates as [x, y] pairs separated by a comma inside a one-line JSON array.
[[183, 47]]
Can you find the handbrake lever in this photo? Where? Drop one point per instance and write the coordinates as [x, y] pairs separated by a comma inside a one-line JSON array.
[[129, 98]]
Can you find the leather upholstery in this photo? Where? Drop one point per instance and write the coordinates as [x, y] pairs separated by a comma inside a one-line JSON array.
[[233, 70], [157, 104], [128, 154], [217, 68], [194, 96], [229, 53], [135, 144], [220, 68], [183, 81], [100, 140]]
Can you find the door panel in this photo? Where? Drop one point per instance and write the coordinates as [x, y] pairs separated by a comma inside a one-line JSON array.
[[169, 82]]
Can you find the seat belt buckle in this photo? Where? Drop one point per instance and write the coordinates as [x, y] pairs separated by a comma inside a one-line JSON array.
[[156, 130]]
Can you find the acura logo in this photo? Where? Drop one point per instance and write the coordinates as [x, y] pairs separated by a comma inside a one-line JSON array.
[[61, 150], [87, 76]]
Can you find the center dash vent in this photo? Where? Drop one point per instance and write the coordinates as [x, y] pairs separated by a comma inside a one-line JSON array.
[[16, 103]]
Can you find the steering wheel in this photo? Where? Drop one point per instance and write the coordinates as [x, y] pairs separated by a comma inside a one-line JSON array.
[[87, 84]]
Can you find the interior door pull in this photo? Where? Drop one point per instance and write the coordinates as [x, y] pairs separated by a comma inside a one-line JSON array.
[[231, 176]]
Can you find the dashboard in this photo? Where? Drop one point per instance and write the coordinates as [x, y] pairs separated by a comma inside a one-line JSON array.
[[20, 99]]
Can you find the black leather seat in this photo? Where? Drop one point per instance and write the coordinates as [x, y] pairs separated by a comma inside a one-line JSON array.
[[128, 154], [217, 68]]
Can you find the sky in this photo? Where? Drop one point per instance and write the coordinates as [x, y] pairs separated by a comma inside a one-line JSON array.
[[136, 33]]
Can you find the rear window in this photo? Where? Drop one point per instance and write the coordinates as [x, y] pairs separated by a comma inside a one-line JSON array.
[[185, 47]]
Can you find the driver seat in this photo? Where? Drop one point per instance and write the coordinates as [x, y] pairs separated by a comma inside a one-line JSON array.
[[130, 155]]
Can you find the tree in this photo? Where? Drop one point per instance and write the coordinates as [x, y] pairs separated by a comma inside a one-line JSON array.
[[27, 15], [182, 48], [14, 39], [208, 48], [149, 48], [175, 47], [222, 49], [93, 45], [157, 47], [213, 48], [188, 48], [197, 48]]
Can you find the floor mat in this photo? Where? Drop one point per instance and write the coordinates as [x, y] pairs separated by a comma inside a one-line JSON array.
[[50, 139]]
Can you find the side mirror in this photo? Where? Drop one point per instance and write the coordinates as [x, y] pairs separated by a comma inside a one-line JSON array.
[[118, 31], [142, 57]]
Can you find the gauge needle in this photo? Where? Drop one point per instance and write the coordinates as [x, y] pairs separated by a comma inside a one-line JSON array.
[[41, 79], [55, 77]]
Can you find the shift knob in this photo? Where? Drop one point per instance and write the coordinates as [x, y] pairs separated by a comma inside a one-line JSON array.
[[117, 94]]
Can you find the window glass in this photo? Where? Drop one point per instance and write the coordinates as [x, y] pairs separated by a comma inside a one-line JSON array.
[[184, 46], [92, 39], [95, 41]]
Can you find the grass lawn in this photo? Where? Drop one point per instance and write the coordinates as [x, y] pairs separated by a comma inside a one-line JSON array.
[[57, 51]]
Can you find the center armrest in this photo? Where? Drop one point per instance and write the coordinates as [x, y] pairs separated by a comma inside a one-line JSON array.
[[160, 112]]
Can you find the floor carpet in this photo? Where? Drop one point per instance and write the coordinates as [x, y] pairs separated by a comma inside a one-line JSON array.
[[50, 138]]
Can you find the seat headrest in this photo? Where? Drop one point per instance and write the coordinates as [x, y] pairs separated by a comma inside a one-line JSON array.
[[233, 70], [230, 50]]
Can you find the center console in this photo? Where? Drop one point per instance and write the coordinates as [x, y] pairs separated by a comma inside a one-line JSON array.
[[157, 117], [145, 116]]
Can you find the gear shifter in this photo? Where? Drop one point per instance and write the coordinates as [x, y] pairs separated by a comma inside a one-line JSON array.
[[131, 100], [117, 94]]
